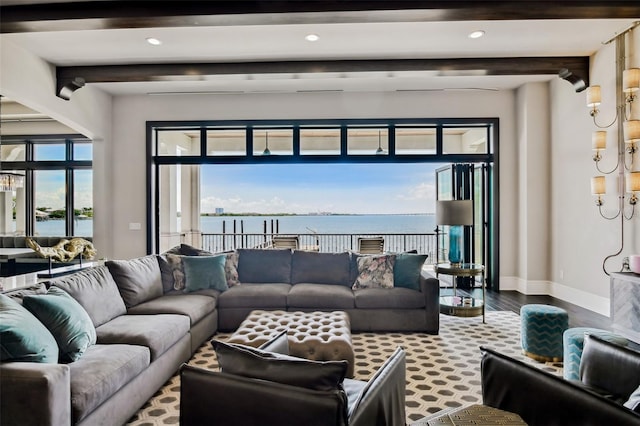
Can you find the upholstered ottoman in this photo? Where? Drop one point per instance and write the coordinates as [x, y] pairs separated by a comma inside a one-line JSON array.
[[541, 331], [573, 340], [319, 336]]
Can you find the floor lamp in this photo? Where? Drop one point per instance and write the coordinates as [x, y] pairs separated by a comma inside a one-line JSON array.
[[456, 214]]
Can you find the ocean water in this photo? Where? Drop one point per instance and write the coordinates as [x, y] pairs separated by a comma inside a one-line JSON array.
[[330, 224]]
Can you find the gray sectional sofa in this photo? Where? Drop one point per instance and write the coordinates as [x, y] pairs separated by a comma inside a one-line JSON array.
[[145, 328]]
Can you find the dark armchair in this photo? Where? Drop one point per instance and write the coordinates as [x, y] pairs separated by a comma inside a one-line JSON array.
[[209, 397], [607, 394]]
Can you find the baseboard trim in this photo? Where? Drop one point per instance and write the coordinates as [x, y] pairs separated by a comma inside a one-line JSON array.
[[590, 301]]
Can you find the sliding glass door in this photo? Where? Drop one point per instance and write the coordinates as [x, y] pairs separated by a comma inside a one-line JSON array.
[[463, 181]]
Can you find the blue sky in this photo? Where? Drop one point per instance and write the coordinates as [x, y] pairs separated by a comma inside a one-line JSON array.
[[312, 188]]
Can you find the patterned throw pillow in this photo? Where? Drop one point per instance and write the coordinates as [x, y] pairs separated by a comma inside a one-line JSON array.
[[231, 269], [172, 271], [375, 271]]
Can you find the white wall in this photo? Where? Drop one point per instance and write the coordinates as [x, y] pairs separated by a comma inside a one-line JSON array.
[[581, 239], [533, 141]]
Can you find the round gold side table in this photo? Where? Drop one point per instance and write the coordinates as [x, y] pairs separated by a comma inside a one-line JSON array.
[[462, 306]]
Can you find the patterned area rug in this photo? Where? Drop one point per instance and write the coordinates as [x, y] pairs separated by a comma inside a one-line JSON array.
[[443, 371]]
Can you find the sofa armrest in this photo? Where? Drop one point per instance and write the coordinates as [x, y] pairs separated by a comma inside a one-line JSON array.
[[35, 394], [430, 288], [208, 397], [541, 398], [382, 400]]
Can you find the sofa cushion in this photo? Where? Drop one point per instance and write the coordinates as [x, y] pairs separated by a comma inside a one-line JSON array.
[[320, 296], [102, 371], [407, 270], [388, 298], [375, 271], [96, 291], [269, 295], [194, 305], [18, 293], [321, 268], [258, 364], [138, 280], [264, 266], [203, 272], [67, 321], [22, 336], [188, 250], [156, 332]]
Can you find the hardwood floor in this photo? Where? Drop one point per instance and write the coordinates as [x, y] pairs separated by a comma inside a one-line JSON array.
[[513, 301]]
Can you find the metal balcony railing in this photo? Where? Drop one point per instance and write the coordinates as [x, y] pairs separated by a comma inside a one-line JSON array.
[[326, 243]]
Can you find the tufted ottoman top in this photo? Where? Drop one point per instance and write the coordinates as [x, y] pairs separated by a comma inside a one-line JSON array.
[[319, 336]]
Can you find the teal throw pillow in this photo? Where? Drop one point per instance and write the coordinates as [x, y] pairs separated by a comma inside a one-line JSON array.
[[22, 337], [406, 271], [202, 272], [66, 319]]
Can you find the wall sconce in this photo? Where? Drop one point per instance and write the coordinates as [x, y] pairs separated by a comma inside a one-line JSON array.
[[628, 135]]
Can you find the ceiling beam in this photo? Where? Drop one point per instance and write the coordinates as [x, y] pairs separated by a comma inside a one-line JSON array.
[[72, 78], [94, 15]]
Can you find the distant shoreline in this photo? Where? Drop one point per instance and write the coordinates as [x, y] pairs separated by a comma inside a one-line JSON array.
[[312, 214]]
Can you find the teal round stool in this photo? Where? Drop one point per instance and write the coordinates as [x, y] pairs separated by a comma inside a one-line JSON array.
[[541, 331], [573, 340]]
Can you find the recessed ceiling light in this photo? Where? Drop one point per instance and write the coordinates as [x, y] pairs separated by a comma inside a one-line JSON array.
[[153, 41], [476, 34], [312, 37]]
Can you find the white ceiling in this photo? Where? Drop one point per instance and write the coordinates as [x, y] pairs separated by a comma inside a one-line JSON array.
[[375, 40]]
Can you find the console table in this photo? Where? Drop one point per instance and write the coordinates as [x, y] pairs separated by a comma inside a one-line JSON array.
[[462, 306], [625, 304]]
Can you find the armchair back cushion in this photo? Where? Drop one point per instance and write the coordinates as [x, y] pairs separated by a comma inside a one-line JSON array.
[[250, 362], [610, 367], [541, 398], [208, 397]]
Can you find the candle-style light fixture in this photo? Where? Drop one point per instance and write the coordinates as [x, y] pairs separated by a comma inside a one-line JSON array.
[[628, 135], [628, 132]]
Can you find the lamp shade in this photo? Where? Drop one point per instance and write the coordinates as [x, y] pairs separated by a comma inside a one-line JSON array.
[[598, 185], [593, 96], [454, 212], [633, 182], [631, 80], [599, 139], [631, 130]]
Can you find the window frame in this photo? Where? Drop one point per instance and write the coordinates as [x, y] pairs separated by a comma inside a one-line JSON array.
[[29, 165]]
